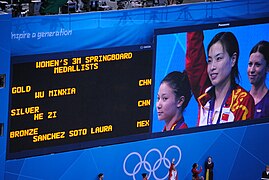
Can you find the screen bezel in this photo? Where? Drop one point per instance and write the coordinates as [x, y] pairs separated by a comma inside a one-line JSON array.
[[190, 28]]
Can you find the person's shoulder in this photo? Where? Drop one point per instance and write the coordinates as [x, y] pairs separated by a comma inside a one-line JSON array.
[[183, 126], [267, 95], [239, 90], [238, 87]]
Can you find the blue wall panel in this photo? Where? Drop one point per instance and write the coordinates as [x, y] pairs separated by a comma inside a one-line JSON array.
[[5, 28], [119, 28]]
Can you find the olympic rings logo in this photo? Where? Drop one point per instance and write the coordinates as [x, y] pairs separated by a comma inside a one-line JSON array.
[[148, 167]]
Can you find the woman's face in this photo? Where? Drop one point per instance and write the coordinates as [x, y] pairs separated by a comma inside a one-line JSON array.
[[219, 64], [167, 105], [256, 69]]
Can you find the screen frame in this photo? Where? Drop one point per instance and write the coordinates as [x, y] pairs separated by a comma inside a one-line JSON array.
[[190, 28]]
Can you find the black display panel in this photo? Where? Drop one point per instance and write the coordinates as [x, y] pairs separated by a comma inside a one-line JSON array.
[[72, 100]]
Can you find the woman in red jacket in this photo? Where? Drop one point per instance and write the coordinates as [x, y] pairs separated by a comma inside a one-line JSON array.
[[213, 83], [196, 172], [173, 97], [173, 175]]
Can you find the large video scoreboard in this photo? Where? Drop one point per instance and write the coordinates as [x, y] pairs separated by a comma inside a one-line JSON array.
[[71, 100], [80, 99]]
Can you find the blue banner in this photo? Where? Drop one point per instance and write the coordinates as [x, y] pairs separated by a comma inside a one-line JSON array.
[[233, 150], [46, 34]]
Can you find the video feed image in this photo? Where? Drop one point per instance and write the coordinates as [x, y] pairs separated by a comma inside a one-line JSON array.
[[220, 71]]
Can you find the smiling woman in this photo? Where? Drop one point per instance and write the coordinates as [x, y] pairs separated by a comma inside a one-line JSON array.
[[258, 66], [220, 98]]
